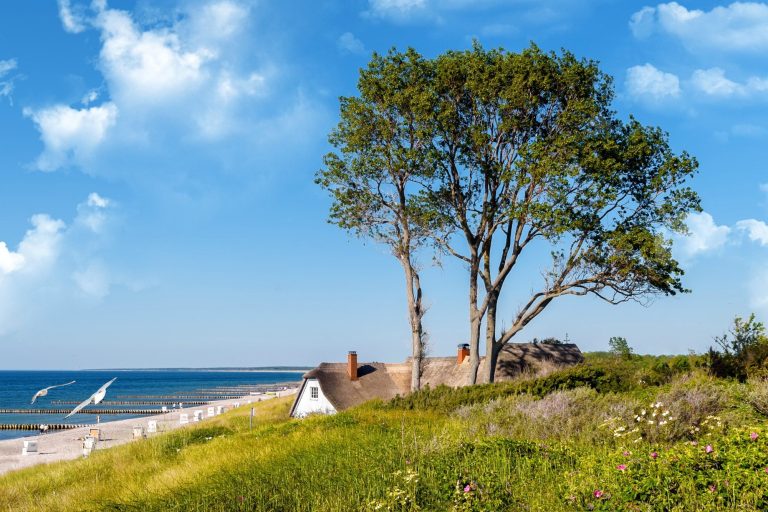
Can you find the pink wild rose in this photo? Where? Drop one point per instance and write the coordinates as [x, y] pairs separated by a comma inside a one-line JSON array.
[[598, 494], [709, 448], [753, 436], [621, 467], [467, 488], [654, 455]]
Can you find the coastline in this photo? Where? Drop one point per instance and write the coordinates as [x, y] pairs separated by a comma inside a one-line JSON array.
[[68, 444]]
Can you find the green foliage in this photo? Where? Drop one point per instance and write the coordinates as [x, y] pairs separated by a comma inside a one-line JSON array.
[[620, 347], [743, 351]]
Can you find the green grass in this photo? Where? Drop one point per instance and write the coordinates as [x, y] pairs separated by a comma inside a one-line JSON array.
[[537, 444]]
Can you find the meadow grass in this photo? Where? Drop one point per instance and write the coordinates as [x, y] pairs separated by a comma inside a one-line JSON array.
[[562, 442]]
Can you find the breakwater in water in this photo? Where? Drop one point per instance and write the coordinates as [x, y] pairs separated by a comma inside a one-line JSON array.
[[36, 426], [134, 394]]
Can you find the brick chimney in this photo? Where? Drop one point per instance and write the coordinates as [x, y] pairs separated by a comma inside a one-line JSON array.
[[462, 352], [352, 365]]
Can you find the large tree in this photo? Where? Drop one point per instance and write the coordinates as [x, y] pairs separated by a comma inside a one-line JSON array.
[[529, 150], [383, 159]]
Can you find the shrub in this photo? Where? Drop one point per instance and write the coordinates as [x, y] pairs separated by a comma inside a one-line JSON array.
[[758, 396], [620, 347], [446, 399], [743, 351]]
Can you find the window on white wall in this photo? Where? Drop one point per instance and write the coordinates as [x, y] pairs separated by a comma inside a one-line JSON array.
[[314, 392]]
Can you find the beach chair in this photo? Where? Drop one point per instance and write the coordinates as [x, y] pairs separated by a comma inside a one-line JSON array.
[[138, 432], [211, 412], [183, 419], [29, 447], [89, 444], [95, 433], [152, 426], [198, 415]]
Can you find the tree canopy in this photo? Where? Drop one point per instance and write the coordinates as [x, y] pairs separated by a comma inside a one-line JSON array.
[[507, 150]]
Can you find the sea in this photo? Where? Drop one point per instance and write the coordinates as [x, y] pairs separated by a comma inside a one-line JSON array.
[[18, 387]]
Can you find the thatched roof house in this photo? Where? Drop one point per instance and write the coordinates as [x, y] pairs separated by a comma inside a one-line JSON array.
[[334, 387]]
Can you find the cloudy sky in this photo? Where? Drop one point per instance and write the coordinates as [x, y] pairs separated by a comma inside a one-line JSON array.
[[156, 175]]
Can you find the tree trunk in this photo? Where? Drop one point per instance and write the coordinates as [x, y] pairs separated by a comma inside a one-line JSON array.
[[475, 319], [413, 292], [491, 347]]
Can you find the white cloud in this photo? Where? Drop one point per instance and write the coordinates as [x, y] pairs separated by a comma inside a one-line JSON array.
[[704, 235], [70, 135], [650, 83], [72, 20], [6, 66], [181, 94], [397, 10], [714, 83], [90, 97], [6, 82], [348, 43], [756, 230], [10, 261], [740, 26], [92, 213], [94, 280], [641, 23], [150, 66], [38, 249], [53, 262]]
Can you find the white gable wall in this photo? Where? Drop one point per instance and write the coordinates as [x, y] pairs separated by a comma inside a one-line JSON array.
[[306, 404]]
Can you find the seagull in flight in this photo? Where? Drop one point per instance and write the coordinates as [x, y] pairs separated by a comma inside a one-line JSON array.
[[44, 391], [93, 399]]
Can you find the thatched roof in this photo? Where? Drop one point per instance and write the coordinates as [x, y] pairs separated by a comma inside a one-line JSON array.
[[387, 380]]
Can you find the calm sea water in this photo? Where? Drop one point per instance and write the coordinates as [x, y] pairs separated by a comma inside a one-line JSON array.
[[18, 387]]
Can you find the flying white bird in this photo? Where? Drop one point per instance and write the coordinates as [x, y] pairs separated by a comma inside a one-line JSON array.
[[44, 391], [93, 399]]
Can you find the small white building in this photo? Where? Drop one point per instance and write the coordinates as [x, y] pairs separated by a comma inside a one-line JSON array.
[[333, 387], [311, 400]]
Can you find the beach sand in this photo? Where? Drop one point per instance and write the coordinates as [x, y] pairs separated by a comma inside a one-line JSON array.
[[68, 444]]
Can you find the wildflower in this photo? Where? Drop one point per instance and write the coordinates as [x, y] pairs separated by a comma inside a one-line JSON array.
[[642, 413], [651, 422], [654, 455], [711, 488], [709, 448], [598, 493], [694, 443], [627, 453], [753, 436], [621, 467], [467, 488], [665, 413]]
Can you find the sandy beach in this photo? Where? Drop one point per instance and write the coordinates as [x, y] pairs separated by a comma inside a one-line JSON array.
[[68, 444]]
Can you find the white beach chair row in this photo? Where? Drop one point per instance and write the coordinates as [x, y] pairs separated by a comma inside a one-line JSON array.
[[90, 441]]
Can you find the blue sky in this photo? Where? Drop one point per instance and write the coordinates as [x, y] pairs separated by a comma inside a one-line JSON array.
[[156, 175]]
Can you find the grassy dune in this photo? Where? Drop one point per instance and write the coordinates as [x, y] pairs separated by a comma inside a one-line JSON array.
[[562, 442]]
